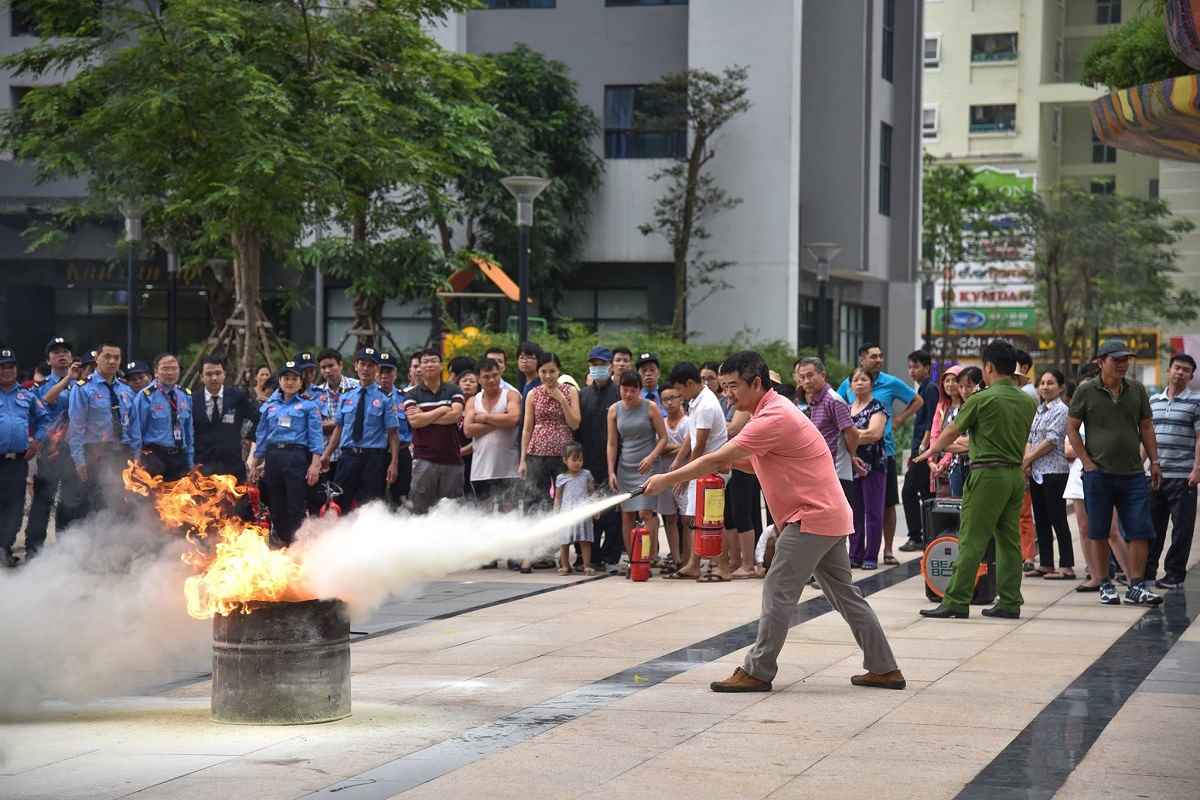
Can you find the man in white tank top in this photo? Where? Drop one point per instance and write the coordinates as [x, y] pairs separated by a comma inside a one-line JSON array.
[[490, 417]]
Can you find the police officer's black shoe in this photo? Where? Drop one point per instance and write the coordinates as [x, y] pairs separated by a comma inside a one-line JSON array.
[[911, 546], [1002, 613], [941, 612]]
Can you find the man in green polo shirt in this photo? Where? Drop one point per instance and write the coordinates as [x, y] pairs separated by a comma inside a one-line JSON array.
[[998, 419], [1116, 413]]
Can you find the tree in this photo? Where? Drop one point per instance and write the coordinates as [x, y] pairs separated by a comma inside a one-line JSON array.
[[700, 103], [542, 129], [957, 213], [1103, 261], [230, 117], [1135, 53]]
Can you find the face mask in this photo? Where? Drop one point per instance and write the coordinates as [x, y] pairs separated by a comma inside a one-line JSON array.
[[598, 373]]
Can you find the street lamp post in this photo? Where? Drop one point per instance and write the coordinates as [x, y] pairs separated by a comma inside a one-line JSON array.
[[525, 189], [172, 299], [132, 210], [927, 290], [824, 253]]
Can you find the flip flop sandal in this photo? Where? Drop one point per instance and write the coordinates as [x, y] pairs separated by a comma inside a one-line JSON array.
[[1036, 573], [679, 576], [1083, 587], [713, 578], [1057, 576], [890, 561]]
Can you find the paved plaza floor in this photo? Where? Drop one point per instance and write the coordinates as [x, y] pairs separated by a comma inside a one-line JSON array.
[[497, 685]]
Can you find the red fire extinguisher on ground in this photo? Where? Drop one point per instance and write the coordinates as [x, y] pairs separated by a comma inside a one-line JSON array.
[[709, 519], [331, 508], [639, 548]]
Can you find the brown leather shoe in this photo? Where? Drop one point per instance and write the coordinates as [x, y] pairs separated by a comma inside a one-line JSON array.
[[740, 681], [875, 680]]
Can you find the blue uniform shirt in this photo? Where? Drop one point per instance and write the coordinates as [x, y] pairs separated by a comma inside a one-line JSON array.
[[295, 421], [91, 416], [887, 389], [59, 406], [403, 428], [656, 396], [150, 423], [21, 413], [378, 419]]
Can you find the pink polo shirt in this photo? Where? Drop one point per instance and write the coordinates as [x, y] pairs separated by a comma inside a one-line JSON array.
[[792, 462]]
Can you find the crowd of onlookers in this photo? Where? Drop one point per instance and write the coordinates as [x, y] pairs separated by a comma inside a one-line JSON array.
[[418, 431]]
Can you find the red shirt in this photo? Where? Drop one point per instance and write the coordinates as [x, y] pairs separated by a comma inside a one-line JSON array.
[[791, 460]]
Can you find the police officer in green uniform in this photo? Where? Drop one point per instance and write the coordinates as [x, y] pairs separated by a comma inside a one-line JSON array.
[[998, 420]]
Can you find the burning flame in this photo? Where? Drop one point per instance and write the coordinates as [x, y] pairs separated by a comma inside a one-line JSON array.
[[233, 559]]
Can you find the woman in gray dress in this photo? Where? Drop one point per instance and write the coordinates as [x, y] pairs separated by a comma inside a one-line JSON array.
[[637, 435]]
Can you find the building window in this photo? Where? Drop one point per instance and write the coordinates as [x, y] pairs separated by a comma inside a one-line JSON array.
[[1108, 12], [605, 310], [1153, 189], [1060, 58], [929, 122], [885, 169], [625, 136], [807, 332], [22, 21], [932, 51], [993, 119], [889, 39], [988, 48], [616, 3], [857, 326], [1102, 153], [521, 3], [1106, 184]]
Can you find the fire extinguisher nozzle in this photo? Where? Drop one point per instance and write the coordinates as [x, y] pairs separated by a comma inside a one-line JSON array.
[[638, 492]]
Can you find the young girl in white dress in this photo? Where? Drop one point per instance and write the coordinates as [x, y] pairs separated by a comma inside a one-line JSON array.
[[572, 489]]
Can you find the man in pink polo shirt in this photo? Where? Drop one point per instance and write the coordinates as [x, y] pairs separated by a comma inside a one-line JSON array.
[[791, 459]]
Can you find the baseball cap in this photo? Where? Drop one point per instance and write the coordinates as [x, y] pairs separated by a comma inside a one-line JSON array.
[[137, 368], [89, 358], [646, 358], [304, 360], [386, 361], [367, 354], [58, 343], [600, 354], [8, 357], [291, 367], [1115, 348]]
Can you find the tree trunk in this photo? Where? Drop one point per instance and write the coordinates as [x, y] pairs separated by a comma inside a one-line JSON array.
[[220, 291], [683, 239], [247, 271], [368, 314]]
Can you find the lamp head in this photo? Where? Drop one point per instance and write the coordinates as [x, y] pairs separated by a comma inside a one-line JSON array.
[[824, 253], [132, 209], [525, 189]]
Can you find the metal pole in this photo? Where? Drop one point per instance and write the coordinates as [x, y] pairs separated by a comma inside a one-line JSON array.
[[172, 317], [131, 305], [821, 291], [523, 282], [319, 307]]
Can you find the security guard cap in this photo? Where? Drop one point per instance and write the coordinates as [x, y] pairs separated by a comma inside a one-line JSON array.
[[90, 358], [367, 354], [57, 343], [7, 357], [305, 360], [136, 368], [291, 368], [386, 360]]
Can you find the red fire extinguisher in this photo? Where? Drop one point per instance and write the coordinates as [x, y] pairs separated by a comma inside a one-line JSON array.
[[639, 552], [331, 508], [709, 515], [258, 512]]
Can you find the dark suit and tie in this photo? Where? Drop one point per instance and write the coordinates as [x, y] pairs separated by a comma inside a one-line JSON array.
[[219, 423]]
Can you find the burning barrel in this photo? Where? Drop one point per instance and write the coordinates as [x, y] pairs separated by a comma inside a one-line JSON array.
[[282, 664]]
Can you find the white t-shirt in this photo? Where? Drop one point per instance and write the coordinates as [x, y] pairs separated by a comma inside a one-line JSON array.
[[1031, 390], [705, 413]]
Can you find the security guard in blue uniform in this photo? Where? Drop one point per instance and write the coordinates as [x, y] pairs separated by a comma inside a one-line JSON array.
[[23, 426], [98, 427], [56, 477], [137, 374], [366, 431], [161, 426], [288, 447], [388, 372]]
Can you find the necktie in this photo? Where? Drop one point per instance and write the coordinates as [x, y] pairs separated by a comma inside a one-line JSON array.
[[360, 414], [115, 410], [171, 401], [216, 408]]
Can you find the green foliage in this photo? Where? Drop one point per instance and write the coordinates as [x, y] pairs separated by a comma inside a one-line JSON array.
[[573, 341], [542, 128], [1104, 261], [1135, 53], [701, 103]]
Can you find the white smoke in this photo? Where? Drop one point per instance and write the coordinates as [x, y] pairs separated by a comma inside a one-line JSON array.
[[101, 613], [374, 554]]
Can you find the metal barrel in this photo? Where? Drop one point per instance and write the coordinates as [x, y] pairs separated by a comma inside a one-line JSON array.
[[282, 664]]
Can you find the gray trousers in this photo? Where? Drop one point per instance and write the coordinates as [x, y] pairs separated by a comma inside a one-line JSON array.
[[433, 482], [798, 555]]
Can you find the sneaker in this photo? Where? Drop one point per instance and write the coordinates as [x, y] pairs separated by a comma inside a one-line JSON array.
[[1108, 594], [870, 565], [911, 546], [1141, 596], [856, 565], [1169, 583]]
